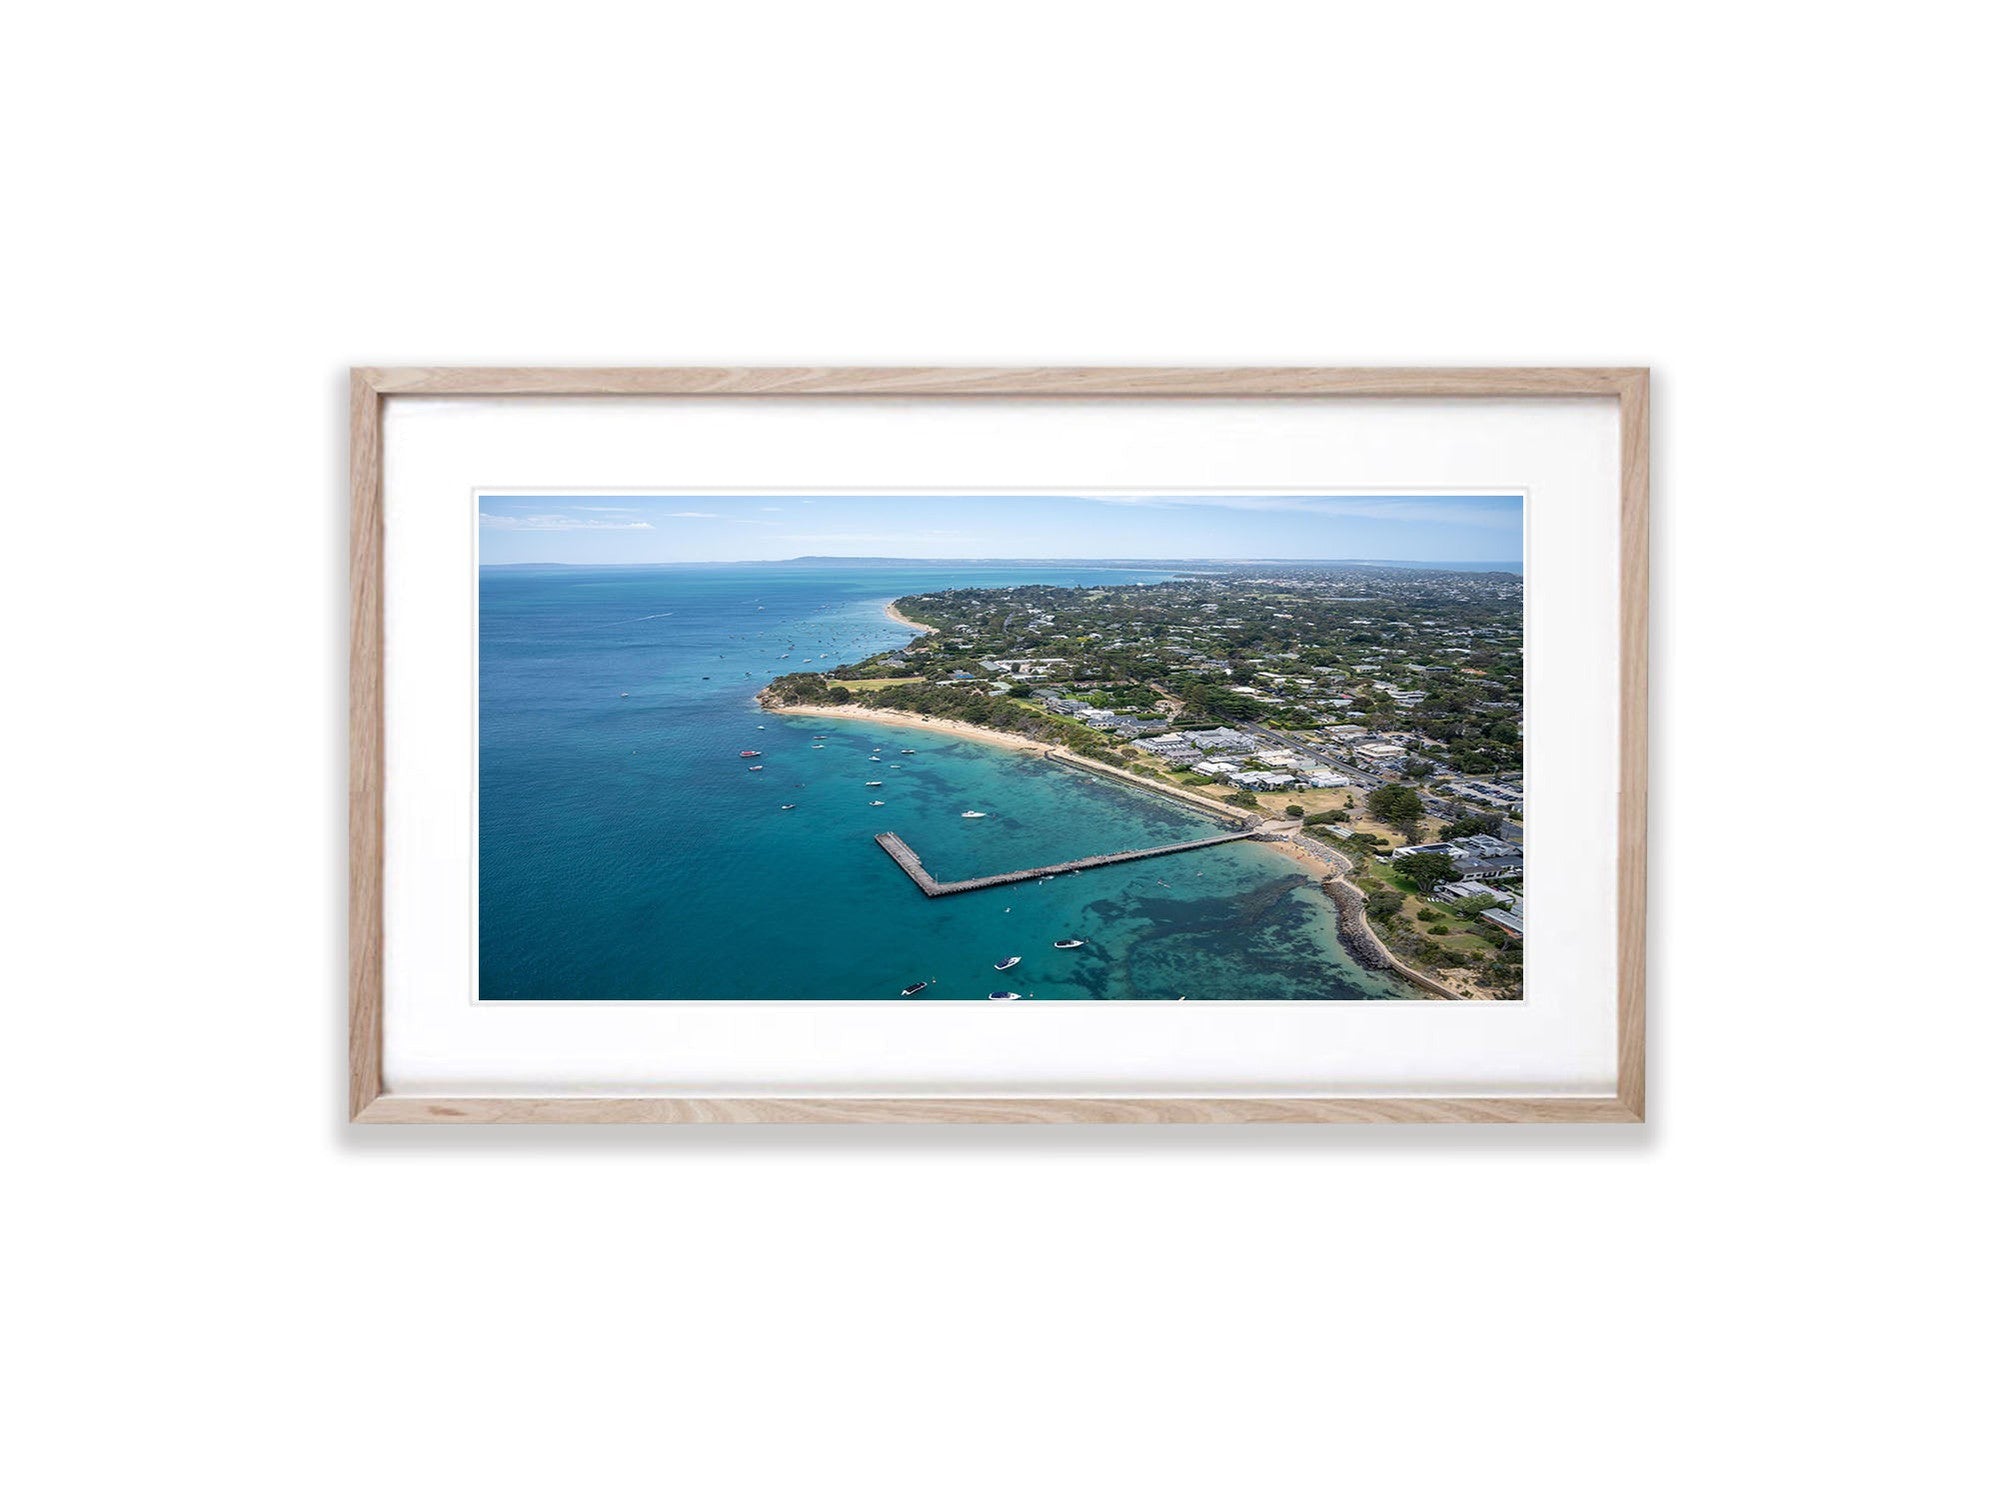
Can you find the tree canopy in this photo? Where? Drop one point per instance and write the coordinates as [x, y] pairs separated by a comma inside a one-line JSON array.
[[1426, 871]]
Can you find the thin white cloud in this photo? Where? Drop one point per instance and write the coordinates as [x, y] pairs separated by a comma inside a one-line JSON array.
[[558, 523]]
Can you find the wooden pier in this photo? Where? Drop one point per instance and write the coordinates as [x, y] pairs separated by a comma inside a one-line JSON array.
[[912, 866]]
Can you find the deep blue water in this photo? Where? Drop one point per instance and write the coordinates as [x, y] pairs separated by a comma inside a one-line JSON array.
[[627, 851]]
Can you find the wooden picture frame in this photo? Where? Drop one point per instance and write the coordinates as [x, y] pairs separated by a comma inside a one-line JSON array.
[[372, 387]]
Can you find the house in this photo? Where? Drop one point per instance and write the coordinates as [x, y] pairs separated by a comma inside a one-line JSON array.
[[1326, 780], [1220, 739], [1423, 848], [1471, 890], [1485, 846], [1261, 780], [1513, 922], [1216, 767]]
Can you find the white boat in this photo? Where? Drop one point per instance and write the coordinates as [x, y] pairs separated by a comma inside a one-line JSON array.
[[1068, 942], [1002, 994], [756, 767], [877, 804], [919, 984], [1005, 963], [874, 783], [972, 814], [786, 807]]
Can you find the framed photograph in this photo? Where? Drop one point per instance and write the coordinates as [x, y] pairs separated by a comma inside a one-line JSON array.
[[952, 745]]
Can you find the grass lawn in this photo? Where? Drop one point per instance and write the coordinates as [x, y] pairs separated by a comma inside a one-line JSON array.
[[876, 684]]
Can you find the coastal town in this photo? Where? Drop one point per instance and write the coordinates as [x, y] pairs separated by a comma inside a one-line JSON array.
[[1366, 718]]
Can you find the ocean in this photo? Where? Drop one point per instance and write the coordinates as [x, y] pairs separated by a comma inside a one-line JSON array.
[[628, 852]]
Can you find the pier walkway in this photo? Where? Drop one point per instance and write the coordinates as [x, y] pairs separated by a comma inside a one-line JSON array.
[[912, 866]]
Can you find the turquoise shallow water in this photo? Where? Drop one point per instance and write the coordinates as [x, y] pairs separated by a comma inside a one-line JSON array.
[[627, 851]]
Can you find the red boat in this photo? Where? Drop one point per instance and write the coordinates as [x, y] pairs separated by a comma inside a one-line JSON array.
[[750, 754]]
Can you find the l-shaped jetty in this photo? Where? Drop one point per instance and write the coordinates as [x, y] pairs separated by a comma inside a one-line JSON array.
[[905, 856]]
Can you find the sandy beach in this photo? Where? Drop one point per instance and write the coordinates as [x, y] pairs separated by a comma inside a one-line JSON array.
[[903, 619], [914, 720], [1003, 740]]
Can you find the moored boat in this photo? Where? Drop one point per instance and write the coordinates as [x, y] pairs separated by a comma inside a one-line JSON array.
[[1068, 942], [1002, 994], [913, 988], [748, 754], [971, 814], [1006, 963]]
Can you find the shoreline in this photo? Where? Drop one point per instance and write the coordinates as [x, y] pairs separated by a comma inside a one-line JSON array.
[[1000, 739], [1348, 901], [903, 619]]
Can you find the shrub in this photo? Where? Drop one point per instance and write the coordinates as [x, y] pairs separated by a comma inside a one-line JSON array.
[[1294, 810], [1383, 903]]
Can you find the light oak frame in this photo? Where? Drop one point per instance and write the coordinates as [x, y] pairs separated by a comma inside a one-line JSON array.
[[371, 388]]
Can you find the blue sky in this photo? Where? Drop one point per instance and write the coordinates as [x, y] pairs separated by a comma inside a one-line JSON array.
[[1206, 527]]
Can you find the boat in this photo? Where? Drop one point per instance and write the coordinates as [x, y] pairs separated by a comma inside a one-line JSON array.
[[756, 767], [971, 814], [786, 806], [819, 746], [748, 754], [1005, 963], [913, 988], [877, 804], [1002, 994], [873, 783], [1068, 942], [761, 727], [624, 694], [905, 752]]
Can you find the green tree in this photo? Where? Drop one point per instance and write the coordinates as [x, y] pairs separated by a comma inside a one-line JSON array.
[[1426, 871], [1470, 823], [1294, 810], [1393, 804], [1384, 904]]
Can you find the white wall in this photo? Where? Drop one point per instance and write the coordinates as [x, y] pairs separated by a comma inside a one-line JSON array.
[[221, 1287]]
